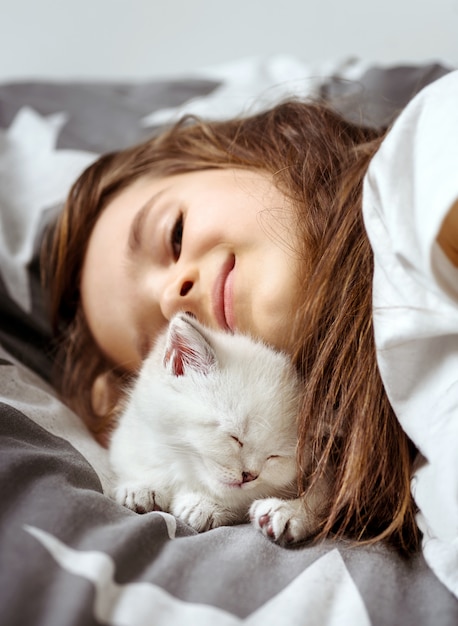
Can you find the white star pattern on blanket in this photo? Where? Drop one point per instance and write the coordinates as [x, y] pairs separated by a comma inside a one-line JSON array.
[[34, 176], [324, 593]]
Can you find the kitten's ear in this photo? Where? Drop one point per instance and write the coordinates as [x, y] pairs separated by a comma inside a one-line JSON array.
[[186, 348]]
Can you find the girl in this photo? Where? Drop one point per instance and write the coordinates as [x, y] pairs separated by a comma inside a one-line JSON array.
[[253, 224]]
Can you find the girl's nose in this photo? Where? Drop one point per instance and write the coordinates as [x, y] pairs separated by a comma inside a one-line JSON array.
[[179, 295], [186, 288]]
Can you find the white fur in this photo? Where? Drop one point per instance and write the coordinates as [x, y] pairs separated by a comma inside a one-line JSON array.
[[206, 408]]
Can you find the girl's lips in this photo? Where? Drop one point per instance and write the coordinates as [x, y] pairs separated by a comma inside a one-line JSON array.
[[229, 300], [222, 296]]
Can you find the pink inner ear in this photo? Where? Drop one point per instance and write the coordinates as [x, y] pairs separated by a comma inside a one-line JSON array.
[[187, 351], [178, 355], [176, 365]]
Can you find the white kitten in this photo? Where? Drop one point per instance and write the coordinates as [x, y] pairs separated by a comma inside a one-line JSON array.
[[208, 429]]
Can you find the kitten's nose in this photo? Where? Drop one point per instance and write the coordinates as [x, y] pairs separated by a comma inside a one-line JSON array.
[[247, 477]]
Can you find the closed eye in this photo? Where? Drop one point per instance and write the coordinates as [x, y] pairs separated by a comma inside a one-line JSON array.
[[237, 440], [273, 456]]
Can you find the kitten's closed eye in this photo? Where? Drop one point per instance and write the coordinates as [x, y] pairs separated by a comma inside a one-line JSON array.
[[237, 440]]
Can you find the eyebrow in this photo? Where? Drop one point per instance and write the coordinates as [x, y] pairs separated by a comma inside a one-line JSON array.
[[136, 228]]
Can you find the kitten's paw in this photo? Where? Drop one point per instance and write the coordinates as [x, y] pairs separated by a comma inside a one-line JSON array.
[[139, 498], [283, 521], [199, 512]]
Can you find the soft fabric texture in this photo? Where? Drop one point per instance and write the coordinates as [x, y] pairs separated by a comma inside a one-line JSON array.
[[411, 184]]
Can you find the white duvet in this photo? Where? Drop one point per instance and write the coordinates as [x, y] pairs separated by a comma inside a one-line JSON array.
[[410, 187]]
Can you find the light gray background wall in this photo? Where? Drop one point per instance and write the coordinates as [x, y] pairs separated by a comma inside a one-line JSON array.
[[143, 38]]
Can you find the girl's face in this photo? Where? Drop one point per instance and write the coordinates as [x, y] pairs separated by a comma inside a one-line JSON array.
[[216, 243]]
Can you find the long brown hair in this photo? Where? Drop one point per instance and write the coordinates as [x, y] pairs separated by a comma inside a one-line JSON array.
[[318, 160]]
